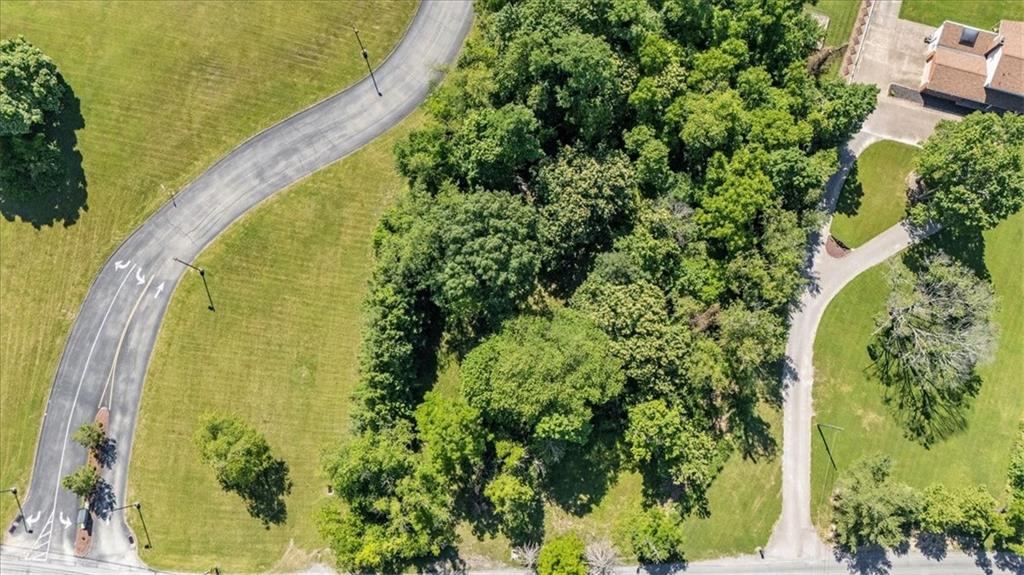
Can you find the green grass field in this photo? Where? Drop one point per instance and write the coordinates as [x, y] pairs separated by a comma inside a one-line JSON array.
[[983, 14], [846, 396], [164, 91], [874, 196], [281, 351], [841, 14]]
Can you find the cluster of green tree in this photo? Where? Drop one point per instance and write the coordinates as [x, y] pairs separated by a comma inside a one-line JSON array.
[[872, 508], [32, 95], [937, 326], [936, 329], [608, 212], [85, 480], [243, 463], [971, 173]]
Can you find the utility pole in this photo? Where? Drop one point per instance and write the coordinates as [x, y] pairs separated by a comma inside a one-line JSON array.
[[366, 58], [21, 512], [202, 274]]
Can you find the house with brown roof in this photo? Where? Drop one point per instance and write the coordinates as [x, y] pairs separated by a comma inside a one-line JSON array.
[[976, 68]]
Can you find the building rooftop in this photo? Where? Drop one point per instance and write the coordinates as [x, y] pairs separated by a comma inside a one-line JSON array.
[[978, 65]]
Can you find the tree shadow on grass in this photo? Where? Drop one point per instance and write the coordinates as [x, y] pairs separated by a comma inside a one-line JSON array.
[[581, 479], [966, 245], [753, 434], [265, 497], [852, 195], [66, 199], [927, 414]]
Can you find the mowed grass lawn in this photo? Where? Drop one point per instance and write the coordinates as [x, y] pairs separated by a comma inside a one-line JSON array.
[[874, 196], [281, 352], [846, 396], [984, 14], [165, 89], [842, 14]]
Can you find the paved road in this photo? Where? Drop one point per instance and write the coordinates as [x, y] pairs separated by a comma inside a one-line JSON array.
[[794, 535], [105, 359]]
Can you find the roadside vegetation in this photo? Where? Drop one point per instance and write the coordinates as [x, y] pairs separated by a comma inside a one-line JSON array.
[[874, 196], [154, 95], [606, 217], [282, 350], [984, 14], [926, 372]]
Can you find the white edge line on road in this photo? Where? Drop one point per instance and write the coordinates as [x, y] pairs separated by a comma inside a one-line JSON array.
[[71, 414], [117, 350]]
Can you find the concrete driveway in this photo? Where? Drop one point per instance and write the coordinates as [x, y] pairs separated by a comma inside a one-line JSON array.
[[893, 49]]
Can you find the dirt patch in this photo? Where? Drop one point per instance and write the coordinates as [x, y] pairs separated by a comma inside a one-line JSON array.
[[83, 542], [836, 248]]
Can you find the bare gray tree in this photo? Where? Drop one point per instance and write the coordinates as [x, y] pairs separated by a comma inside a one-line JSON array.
[[936, 329], [601, 558], [526, 555]]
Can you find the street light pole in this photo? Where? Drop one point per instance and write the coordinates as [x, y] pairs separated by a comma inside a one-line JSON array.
[[366, 58], [24, 522]]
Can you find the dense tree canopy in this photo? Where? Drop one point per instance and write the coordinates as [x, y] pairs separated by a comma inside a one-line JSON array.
[[31, 94], [608, 211], [972, 171], [90, 436], [539, 379], [82, 481], [672, 454], [562, 555], [871, 508], [31, 86], [655, 535]]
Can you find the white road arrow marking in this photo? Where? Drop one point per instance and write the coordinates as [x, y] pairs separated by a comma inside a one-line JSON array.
[[159, 289], [139, 277], [120, 265], [31, 520], [64, 521]]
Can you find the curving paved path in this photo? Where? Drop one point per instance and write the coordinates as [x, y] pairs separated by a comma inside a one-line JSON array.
[[794, 535], [105, 359]]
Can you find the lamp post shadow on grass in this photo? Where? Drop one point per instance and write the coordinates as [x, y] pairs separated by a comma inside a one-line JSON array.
[[366, 58], [206, 286]]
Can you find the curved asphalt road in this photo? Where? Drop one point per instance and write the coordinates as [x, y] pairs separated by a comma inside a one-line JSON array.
[[106, 356]]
